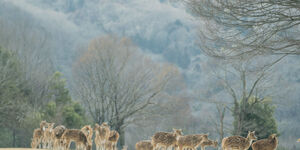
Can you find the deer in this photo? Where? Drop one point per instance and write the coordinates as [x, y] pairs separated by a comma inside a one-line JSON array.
[[113, 139], [191, 141], [38, 135], [76, 136], [47, 138], [166, 139], [37, 138], [88, 131], [266, 144], [144, 145], [238, 142], [209, 143], [56, 136], [102, 133]]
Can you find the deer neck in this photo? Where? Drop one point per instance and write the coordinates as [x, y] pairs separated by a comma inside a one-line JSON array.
[[176, 136], [249, 140]]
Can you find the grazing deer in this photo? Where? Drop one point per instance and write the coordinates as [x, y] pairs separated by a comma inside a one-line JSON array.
[[238, 142], [47, 138], [76, 136], [56, 136], [266, 144], [113, 139], [38, 135], [209, 143], [191, 141], [166, 139], [144, 145], [102, 134]]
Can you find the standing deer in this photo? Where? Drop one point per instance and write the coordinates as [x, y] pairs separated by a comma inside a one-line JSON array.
[[88, 131], [166, 139], [102, 133], [266, 144], [76, 136], [113, 139], [144, 145], [47, 138], [38, 135], [238, 142], [191, 141], [56, 137]]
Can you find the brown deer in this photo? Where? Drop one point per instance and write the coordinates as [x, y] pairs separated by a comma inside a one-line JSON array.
[[101, 135], [144, 145], [113, 139], [56, 136], [191, 141], [37, 138], [76, 136], [38, 135], [266, 144], [209, 143], [108, 145], [166, 139], [88, 131], [47, 138], [238, 142]]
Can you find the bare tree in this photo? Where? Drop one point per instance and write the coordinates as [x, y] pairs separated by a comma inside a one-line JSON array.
[[32, 44], [248, 27], [239, 83], [115, 81]]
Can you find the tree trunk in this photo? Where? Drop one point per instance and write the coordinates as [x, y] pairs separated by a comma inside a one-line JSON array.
[[14, 138], [121, 131]]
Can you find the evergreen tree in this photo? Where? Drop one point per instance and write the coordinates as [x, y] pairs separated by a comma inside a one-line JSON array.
[[61, 109], [13, 100], [258, 115]]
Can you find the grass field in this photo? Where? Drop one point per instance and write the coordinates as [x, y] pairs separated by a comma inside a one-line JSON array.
[[17, 149]]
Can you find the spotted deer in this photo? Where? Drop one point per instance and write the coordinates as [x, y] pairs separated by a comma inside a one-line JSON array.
[[47, 138], [113, 139], [238, 142], [209, 143], [102, 133], [76, 136], [108, 145], [144, 145], [88, 131], [166, 139], [56, 137], [38, 135], [266, 144], [191, 141], [37, 138]]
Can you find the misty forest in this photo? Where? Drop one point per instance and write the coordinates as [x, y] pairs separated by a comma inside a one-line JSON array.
[[217, 71]]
